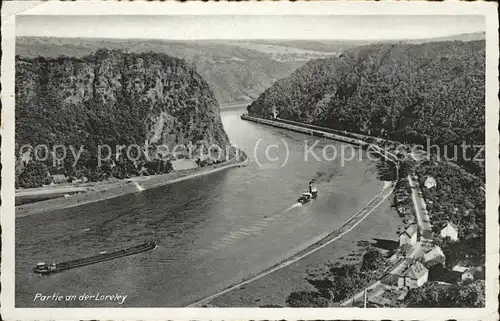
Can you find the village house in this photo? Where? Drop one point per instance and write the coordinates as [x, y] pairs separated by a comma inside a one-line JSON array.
[[393, 277], [461, 267], [468, 276], [402, 210], [434, 256], [401, 197], [430, 182], [415, 276], [451, 231], [409, 236], [472, 274], [59, 178]]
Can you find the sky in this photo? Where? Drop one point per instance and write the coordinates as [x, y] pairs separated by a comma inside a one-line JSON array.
[[192, 27]]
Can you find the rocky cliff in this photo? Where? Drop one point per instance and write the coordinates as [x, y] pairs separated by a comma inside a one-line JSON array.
[[115, 98]]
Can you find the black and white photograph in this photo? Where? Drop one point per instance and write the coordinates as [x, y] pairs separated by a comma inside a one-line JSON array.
[[203, 158]]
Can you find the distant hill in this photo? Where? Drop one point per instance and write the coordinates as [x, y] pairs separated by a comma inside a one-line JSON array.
[[327, 46], [462, 37], [235, 71], [338, 46], [405, 92]]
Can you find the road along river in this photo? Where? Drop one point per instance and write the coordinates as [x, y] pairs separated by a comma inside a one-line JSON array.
[[213, 231]]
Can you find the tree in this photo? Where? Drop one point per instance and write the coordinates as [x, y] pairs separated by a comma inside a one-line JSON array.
[[406, 167], [347, 280], [69, 168], [472, 249], [93, 176], [373, 260], [306, 299], [433, 294], [167, 166], [35, 174], [154, 167], [106, 168]]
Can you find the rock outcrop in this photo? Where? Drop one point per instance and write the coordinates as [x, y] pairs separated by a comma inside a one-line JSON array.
[[116, 98]]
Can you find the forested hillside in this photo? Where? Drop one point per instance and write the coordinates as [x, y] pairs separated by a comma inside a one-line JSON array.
[[410, 93], [114, 98], [235, 71]]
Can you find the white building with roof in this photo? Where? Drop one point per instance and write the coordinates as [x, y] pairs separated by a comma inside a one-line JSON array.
[[430, 182], [434, 256], [461, 267], [415, 276], [409, 236], [451, 231]]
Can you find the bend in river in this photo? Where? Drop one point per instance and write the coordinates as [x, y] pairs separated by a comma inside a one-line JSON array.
[[213, 230]]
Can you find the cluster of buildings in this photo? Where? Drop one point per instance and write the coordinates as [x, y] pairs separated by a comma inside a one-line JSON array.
[[420, 254], [417, 251], [404, 205], [417, 254]]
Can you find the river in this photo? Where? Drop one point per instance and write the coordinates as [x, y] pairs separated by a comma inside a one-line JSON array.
[[213, 231]]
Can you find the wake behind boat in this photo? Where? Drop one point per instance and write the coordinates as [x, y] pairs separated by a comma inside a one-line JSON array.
[[312, 193], [44, 268]]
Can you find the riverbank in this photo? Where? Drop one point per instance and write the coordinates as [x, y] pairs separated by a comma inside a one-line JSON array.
[[99, 191], [319, 244], [367, 142], [288, 276], [272, 290], [301, 128]]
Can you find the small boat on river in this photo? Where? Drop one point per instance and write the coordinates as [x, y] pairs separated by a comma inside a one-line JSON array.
[[312, 193], [44, 268]]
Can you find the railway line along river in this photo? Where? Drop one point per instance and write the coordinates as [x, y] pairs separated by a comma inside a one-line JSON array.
[[213, 231]]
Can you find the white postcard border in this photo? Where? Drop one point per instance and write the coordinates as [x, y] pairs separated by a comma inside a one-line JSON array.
[[13, 8]]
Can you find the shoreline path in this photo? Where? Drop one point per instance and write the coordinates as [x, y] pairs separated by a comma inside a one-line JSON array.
[[424, 244], [346, 227]]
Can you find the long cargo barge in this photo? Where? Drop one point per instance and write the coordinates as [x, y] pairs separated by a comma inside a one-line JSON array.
[[44, 268]]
